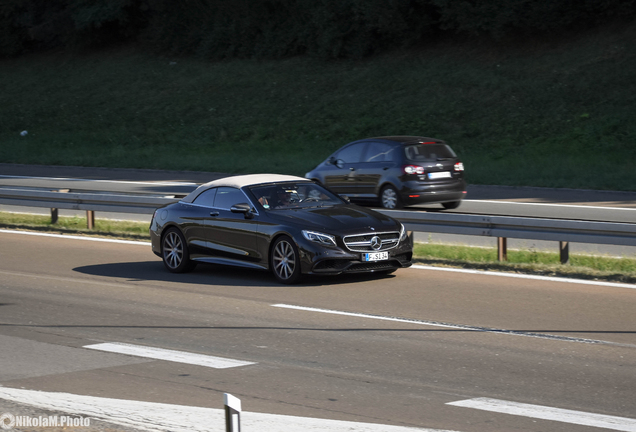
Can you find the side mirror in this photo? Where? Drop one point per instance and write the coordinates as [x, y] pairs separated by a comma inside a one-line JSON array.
[[336, 162], [244, 208], [345, 199]]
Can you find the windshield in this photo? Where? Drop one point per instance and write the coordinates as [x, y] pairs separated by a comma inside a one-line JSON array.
[[283, 196], [424, 152]]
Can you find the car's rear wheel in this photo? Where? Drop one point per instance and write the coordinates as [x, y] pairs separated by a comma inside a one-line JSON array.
[[285, 260], [174, 252], [389, 198], [451, 205]]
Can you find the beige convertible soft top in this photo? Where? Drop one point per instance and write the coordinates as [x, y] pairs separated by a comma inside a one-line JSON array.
[[243, 180]]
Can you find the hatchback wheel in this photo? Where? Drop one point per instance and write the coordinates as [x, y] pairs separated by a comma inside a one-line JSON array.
[[174, 252], [389, 198], [285, 260]]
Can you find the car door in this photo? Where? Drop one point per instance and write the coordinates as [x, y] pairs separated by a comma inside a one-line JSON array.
[[195, 223], [231, 235], [377, 160], [341, 174]]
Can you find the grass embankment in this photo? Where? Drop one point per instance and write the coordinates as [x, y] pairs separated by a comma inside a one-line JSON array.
[[540, 113], [530, 262], [75, 226]]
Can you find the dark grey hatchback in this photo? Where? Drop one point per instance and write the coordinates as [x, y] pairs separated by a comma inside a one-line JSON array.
[[395, 171]]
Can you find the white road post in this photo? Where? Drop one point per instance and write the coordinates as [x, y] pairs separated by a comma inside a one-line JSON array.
[[232, 407]]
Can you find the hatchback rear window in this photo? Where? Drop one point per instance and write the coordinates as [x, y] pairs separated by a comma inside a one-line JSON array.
[[422, 152]]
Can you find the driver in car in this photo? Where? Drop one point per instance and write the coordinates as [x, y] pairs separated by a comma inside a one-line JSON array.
[[284, 198]]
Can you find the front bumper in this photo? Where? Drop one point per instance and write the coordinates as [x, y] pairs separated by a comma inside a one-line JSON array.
[[333, 261]]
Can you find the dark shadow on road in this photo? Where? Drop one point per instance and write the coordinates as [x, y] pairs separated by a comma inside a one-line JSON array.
[[216, 275]]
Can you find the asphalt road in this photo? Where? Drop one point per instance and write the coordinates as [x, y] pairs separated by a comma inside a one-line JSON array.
[[572, 204], [406, 347]]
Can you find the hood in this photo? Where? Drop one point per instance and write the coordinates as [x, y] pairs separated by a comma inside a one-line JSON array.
[[339, 219]]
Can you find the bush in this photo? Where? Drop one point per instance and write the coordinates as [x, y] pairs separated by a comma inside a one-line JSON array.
[[284, 28], [500, 18], [33, 25]]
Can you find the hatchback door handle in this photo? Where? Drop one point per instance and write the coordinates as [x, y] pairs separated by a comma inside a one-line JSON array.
[[214, 213]]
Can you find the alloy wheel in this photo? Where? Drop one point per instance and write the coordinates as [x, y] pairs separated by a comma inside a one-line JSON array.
[[285, 261], [390, 198], [173, 250]]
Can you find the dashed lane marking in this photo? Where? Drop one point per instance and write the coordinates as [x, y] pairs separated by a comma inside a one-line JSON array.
[[169, 355], [549, 413]]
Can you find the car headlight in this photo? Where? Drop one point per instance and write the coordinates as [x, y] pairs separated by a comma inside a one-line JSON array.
[[403, 232], [321, 238]]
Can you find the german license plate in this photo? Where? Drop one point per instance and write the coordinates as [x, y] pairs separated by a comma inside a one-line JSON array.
[[375, 256], [438, 175]]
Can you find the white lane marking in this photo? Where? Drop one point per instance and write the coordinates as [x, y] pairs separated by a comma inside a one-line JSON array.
[[160, 183], [549, 413], [159, 417], [524, 276], [454, 326], [415, 266], [73, 237], [169, 355], [552, 205]]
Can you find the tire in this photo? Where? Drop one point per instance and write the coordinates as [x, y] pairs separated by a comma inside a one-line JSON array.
[[390, 198], [174, 252], [285, 260], [451, 205]]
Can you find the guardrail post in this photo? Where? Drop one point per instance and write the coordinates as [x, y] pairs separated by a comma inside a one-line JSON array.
[[502, 249], [90, 219], [232, 407], [564, 251], [54, 211]]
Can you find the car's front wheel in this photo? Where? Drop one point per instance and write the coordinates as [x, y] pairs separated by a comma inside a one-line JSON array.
[[389, 198], [285, 260], [174, 252]]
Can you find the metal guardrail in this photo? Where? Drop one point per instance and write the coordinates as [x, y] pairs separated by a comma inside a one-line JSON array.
[[501, 227], [504, 227], [138, 204], [519, 227]]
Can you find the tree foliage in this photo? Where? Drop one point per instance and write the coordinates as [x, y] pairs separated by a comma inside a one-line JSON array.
[[283, 28]]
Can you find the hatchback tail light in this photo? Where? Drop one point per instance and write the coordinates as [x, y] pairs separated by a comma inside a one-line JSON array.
[[413, 169], [459, 166]]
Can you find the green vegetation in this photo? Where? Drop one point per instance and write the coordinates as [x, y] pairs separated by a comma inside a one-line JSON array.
[[75, 225], [528, 261], [519, 261], [536, 113], [329, 29]]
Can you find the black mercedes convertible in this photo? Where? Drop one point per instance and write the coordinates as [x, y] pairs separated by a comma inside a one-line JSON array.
[[286, 224]]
